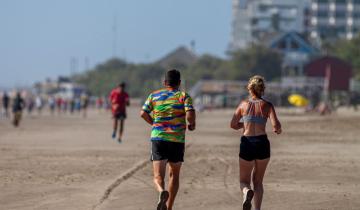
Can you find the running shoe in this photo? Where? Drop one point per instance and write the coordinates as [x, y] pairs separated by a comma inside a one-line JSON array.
[[247, 200], [119, 140], [113, 135], [163, 197]]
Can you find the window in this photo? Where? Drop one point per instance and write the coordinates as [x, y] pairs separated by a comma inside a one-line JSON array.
[[323, 13], [282, 45], [340, 1], [356, 15], [294, 45], [323, 1], [340, 14]]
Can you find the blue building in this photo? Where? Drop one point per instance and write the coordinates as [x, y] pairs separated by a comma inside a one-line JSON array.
[[296, 50]]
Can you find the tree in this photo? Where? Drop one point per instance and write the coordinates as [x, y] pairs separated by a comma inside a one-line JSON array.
[[256, 59], [349, 50], [142, 78]]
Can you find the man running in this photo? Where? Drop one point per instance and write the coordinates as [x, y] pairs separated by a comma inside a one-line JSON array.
[[167, 110], [119, 99]]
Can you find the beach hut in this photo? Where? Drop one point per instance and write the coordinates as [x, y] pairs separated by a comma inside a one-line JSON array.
[[335, 72]]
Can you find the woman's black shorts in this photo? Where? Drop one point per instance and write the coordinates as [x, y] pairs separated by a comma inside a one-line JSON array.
[[254, 148]]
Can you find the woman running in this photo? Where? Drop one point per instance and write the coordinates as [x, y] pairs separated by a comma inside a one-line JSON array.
[[252, 115]]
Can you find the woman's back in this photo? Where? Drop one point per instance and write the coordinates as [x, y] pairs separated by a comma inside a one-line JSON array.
[[255, 113]]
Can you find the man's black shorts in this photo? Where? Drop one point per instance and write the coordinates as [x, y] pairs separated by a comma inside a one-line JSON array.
[[171, 151], [120, 116], [254, 148]]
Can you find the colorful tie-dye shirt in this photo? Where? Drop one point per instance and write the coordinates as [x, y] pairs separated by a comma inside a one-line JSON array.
[[168, 107]]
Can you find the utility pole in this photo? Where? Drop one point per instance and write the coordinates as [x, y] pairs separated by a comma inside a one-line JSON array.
[[115, 29], [86, 63], [72, 65]]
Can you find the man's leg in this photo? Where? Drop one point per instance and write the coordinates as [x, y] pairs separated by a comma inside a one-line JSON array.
[[174, 175], [159, 168], [121, 128], [115, 125]]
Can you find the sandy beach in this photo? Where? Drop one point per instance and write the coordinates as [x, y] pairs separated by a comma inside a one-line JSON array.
[[67, 162]]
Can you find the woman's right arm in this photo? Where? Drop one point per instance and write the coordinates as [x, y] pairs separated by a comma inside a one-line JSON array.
[[275, 121], [235, 121]]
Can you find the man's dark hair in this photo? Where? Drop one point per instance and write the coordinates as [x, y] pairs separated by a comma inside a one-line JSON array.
[[173, 78], [122, 85]]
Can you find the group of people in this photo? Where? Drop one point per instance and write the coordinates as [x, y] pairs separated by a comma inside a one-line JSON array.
[[16, 105], [170, 112]]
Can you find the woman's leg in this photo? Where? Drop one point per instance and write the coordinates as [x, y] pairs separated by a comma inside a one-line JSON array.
[[246, 168], [257, 178]]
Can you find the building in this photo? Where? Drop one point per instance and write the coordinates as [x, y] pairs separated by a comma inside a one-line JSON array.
[[296, 50], [254, 20], [63, 87], [335, 71], [334, 19]]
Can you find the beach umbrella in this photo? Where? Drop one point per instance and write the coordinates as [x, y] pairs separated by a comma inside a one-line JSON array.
[[298, 100]]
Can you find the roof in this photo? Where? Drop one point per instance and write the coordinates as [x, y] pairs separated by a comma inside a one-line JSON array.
[[180, 55], [293, 42]]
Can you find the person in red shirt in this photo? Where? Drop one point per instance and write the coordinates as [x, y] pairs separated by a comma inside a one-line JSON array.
[[119, 99]]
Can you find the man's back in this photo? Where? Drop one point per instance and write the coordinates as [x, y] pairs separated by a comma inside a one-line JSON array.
[[18, 104], [169, 108], [119, 100]]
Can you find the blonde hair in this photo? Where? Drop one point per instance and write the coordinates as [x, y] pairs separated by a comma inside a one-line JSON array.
[[256, 85]]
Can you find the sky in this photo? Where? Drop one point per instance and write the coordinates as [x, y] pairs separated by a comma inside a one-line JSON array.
[[38, 38]]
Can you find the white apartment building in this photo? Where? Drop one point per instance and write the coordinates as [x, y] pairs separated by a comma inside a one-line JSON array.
[[333, 19], [255, 19]]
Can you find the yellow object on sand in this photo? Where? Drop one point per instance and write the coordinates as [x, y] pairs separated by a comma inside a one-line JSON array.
[[298, 100]]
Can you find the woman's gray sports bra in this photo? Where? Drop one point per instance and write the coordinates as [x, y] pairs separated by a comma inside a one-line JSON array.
[[254, 113]]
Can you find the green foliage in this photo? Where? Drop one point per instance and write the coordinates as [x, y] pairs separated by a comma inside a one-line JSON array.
[[349, 51], [143, 78], [256, 60]]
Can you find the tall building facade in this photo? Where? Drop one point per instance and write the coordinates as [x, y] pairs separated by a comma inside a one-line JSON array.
[[254, 20], [334, 19]]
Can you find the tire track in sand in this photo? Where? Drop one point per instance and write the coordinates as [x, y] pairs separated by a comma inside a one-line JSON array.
[[123, 177]]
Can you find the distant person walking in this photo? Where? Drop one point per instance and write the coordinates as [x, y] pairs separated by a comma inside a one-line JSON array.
[[17, 108], [119, 99], [59, 102], [6, 103], [39, 104], [252, 115], [169, 111], [84, 103], [72, 105], [30, 104], [52, 104]]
